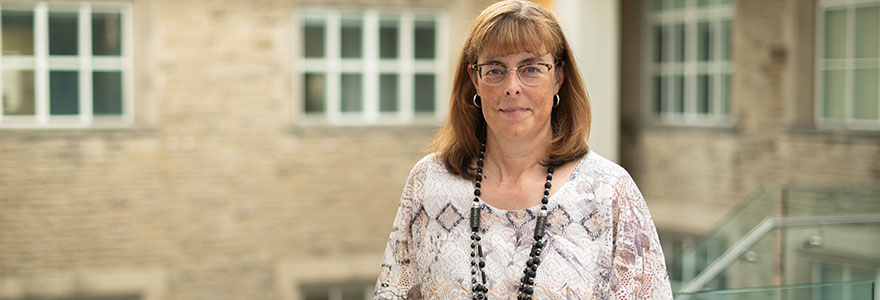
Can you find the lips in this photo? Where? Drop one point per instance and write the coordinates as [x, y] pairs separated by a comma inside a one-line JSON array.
[[514, 111]]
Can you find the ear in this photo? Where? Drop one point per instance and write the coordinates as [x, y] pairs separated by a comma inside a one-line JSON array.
[[472, 74], [560, 76]]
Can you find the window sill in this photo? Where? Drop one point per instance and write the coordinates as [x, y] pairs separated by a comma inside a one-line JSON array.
[[837, 134], [714, 126]]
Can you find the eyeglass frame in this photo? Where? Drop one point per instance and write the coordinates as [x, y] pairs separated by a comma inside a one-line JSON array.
[[476, 67]]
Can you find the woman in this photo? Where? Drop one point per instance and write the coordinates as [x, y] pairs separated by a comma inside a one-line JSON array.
[[487, 216]]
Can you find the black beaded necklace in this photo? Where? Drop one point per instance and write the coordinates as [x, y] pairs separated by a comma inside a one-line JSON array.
[[477, 263]]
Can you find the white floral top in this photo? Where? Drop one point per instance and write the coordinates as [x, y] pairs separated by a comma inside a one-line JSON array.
[[601, 242]]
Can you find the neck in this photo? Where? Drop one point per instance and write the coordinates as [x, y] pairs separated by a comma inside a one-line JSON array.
[[507, 159]]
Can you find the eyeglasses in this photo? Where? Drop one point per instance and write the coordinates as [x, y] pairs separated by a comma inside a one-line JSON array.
[[529, 74]]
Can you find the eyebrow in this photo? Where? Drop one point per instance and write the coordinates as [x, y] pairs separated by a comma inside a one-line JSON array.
[[523, 61]]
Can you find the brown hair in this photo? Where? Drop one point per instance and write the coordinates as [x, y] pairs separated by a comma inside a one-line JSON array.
[[507, 27]]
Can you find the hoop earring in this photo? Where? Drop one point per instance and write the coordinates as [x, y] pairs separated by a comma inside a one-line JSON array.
[[556, 103], [475, 101]]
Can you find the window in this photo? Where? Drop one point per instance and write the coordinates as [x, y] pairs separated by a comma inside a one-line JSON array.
[[687, 74], [349, 290], [371, 67], [65, 65], [835, 272], [848, 64]]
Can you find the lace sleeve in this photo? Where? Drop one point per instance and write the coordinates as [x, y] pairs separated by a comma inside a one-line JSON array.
[[397, 279], [639, 269]]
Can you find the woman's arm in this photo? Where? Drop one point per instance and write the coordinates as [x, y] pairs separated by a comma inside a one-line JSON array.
[[397, 279], [639, 268]]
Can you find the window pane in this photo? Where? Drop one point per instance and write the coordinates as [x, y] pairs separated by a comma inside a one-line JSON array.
[[313, 46], [352, 38], [352, 90], [388, 34], [834, 96], [63, 33], [704, 41], [680, 45], [726, 36], [704, 93], [658, 94], [388, 92], [107, 93], [106, 33], [678, 91], [424, 37], [679, 3], [866, 96], [424, 92], [659, 43], [314, 89], [831, 273], [63, 92], [835, 33], [867, 31], [18, 32], [725, 94], [18, 92]]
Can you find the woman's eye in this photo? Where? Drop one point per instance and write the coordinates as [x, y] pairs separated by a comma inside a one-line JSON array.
[[531, 69], [493, 72]]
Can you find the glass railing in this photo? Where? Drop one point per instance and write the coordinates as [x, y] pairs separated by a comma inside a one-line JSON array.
[[823, 291], [732, 227], [807, 236]]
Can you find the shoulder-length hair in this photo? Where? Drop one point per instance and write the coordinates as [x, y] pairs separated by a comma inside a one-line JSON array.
[[504, 28]]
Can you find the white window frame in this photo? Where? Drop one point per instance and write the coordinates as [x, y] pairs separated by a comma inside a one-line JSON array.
[[690, 67], [371, 66], [85, 63], [848, 64]]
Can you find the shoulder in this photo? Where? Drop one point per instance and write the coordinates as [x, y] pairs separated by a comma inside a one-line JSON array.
[[428, 166], [593, 165]]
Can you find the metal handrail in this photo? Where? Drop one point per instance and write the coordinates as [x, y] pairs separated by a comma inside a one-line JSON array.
[[758, 232]]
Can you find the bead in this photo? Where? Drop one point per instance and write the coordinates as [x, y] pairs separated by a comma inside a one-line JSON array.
[[540, 225], [531, 274], [537, 261], [484, 278], [475, 219], [473, 245], [529, 290], [482, 264], [480, 251], [547, 185], [480, 163], [546, 192], [549, 177], [544, 200], [550, 170], [478, 184]]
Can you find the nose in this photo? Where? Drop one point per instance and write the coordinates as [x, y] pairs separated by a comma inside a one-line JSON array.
[[512, 84]]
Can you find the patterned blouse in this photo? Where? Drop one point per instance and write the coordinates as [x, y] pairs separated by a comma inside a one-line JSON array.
[[600, 239]]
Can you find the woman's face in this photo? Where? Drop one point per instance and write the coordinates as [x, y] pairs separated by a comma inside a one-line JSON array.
[[512, 108]]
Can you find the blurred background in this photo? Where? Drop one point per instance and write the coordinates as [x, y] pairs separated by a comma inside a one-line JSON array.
[[257, 149]]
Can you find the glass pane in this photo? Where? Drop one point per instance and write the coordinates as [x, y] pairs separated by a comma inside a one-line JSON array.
[[107, 93], [703, 3], [834, 96], [424, 38], [704, 93], [725, 94], [835, 33], [831, 273], [18, 92], [678, 93], [704, 41], [388, 36], [18, 32], [63, 33], [866, 96], [658, 5], [314, 90], [658, 94], [352, 90], [106, 34], [63, 92], [726, 36], [388, 92], [352, 38], [680, 45], [679, 3], [659, 43], [313, 45], [424, 92], [867, 32]]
